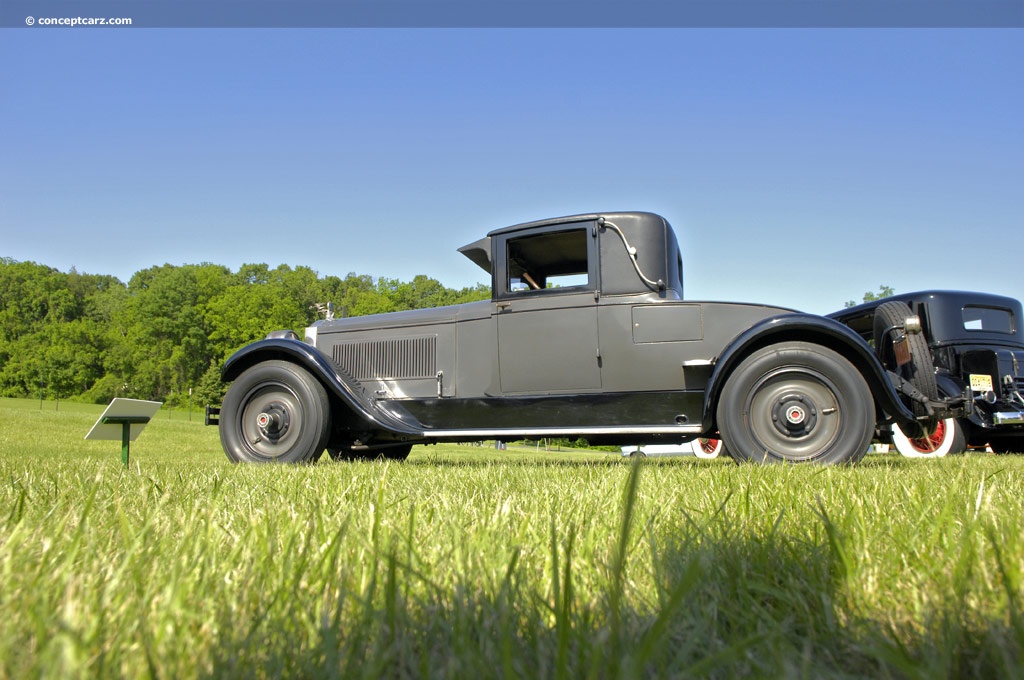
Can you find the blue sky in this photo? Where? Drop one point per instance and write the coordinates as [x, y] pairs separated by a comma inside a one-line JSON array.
[[798, 167]]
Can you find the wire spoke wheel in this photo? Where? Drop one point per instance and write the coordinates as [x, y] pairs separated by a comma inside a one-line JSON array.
[[708, 447], [931, 444], [948, 437]]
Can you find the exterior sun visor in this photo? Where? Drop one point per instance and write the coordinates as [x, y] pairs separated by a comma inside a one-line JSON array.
[[479, 252]]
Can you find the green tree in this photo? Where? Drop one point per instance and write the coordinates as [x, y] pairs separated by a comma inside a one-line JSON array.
[[421, 293], [304, 286], [247, 312], [360, 296], [50, 342], [883, 292], [27, 290], [159, 333]]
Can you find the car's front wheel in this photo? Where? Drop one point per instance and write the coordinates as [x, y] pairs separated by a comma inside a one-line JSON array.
[[275, 412], [948, 437], [796, 402]]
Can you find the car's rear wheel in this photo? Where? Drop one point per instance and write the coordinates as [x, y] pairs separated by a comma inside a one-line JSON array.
[[275, 412], [948, 437], [796, 402], [919, 370]]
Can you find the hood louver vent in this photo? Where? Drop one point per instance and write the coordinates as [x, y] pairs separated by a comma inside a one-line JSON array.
[[396, 359]]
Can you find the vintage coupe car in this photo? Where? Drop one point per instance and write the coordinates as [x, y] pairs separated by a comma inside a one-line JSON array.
[[587, 334], [977, 346]]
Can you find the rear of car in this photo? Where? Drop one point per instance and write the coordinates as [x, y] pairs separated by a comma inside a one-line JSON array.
[[976, 342]]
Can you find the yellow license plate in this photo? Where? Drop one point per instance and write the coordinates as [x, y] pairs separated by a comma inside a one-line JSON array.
[[981, 383]]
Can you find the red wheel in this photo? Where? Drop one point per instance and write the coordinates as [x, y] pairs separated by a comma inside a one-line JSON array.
[[948, 437], [933, 443], [708, 448]]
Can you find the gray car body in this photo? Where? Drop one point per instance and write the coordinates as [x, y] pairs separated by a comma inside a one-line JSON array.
[[618, 356]]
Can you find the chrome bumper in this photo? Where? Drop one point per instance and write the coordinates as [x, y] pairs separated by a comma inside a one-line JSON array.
[[1008, 418]]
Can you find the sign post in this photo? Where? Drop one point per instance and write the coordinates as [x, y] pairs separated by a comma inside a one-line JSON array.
[[123, 419]]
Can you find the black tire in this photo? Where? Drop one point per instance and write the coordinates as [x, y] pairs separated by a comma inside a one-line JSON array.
[[947, 438], [796, 402], [920, 371], [391, 453], [275, 412], [1011, 444]]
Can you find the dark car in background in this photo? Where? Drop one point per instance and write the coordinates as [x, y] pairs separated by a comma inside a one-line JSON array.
[[976, 344]]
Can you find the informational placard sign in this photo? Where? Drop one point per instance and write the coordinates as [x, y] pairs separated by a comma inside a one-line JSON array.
[[123, 419]]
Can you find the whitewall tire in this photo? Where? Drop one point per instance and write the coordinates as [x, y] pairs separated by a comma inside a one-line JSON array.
[[947, 438]]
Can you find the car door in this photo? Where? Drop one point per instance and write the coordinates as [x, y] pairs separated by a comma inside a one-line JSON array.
[[546, 310]]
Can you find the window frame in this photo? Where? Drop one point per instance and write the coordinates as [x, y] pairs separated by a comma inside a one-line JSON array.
[[502, 281], [1012, 329]]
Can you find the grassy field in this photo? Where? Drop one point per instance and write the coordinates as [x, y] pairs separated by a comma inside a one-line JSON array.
[[467, 562]]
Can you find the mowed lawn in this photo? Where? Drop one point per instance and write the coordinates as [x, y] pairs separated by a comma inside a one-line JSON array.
[[468, 562]]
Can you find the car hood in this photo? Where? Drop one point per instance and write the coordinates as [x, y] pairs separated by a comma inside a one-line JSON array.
[[413, 317]]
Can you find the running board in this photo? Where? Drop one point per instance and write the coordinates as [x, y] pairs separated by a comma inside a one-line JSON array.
[[563, 431]]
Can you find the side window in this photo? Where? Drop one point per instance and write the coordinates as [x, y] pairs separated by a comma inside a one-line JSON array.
[[548, 260], [995, 319]]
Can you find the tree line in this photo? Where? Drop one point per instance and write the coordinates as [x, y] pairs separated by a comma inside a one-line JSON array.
[[165, 334]]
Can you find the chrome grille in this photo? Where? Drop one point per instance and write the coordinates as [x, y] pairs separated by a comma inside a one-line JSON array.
[[392, 359]]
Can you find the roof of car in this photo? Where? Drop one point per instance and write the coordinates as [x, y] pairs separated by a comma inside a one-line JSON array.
[[480, 251], [955, 297]]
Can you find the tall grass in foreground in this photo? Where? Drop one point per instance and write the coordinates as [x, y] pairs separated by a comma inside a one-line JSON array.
[[465, 562]]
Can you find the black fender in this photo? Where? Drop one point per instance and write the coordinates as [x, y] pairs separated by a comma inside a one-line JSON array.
[[376, 415], [948, 385], [818, 330]]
